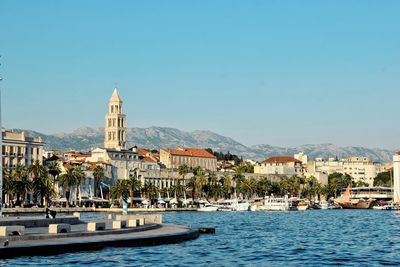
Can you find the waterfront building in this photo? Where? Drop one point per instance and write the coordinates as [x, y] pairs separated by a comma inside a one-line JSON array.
[[396, 178], [20, 148], [192, 157], [283, 165], [359, 168]]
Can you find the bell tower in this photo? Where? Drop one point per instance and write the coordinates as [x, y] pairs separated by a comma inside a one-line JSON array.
[[115, 128]]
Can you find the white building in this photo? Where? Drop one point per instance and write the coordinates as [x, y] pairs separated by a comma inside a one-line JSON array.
[[283, 165], [359, 168]]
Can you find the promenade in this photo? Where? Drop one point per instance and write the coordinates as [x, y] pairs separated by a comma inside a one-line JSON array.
[[78, 209]]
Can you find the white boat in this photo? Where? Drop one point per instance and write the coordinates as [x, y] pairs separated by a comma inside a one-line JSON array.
[[275, 204], [241, 205], [208, 207], [324, 205], [253, 208], [233, 205]]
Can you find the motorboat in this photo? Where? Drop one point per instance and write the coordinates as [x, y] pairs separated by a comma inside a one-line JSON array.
[[275, 204], [208, 207]]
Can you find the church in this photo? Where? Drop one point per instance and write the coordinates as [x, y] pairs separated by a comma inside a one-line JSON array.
[[125, 161]]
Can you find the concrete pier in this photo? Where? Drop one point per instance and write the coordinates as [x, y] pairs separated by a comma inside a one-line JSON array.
[[37, 241]]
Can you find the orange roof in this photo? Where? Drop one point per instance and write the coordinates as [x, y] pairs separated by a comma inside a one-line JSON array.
[[281, 159], [142, 151], [190, 152], [68, 166], [148, 159]]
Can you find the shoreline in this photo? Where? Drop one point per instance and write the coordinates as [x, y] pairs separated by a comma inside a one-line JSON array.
[[72, 210]]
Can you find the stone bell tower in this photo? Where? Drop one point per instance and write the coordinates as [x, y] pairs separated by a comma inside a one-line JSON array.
[[115, 128]]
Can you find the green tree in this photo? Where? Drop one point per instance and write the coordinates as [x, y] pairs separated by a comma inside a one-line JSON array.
[[119, 190], [227, 186], [134, 185], [54, 170], [21, 183], [383, 179], [183, 170], [150, 191], [98, 175], [79, 178], [67, 180], [38, 173]]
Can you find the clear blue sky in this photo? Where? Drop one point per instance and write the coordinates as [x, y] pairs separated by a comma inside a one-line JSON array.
[[276, 72]]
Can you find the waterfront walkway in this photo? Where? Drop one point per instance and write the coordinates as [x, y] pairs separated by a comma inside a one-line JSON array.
[[110, 210]]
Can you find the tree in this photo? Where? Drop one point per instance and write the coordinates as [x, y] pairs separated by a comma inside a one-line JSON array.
[[134, 185], [183, 170], [238, 178], [150, 191], [67, 180], [337, 182], [21, 182], [38, 173], [226, 183], [119, 190], [79, 178], [383, 179], [54, 170], [98, 175]]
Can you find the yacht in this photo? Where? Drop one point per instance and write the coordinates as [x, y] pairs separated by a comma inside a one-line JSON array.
[[275, 204]]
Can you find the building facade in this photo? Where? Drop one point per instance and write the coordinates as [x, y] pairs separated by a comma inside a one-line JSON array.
[[283, 165], [192, 157], [359, 168], [19, 148]]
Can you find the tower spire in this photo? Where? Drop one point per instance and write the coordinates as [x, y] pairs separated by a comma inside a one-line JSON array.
[[115, 128]]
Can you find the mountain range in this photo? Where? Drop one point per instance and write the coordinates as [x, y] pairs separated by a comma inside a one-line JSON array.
[[85, 138]]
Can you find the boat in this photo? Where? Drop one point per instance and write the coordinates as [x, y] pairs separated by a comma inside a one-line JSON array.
[[324, 205], [208, 207], [233, 205], [346, 202], [253, 208], [302, 206], [275, 204]]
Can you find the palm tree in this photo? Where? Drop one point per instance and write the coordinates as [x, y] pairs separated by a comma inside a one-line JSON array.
[[150, 191], [67, 180], [38, 172], [79, 178], [98, 175], [183, 170], [134, 185], [8, 185], [238, 178], [21, 182], [192, 186], [201, 181], [119, 190], [54, 170], [227, 183]]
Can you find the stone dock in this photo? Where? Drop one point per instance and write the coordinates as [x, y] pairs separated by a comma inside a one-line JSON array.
[[34, 240]]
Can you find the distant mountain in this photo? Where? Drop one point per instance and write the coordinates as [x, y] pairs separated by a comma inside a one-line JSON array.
[[85, 138]]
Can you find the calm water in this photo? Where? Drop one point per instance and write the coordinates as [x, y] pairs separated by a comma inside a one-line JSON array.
[[310, 238]]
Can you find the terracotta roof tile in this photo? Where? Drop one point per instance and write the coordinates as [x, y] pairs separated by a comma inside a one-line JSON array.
[[281, 159], [190, 152]]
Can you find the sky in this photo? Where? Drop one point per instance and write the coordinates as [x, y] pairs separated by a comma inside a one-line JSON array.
[[283, 73]]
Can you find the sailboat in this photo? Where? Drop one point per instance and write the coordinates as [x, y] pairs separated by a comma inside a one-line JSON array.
[[346, 202]]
